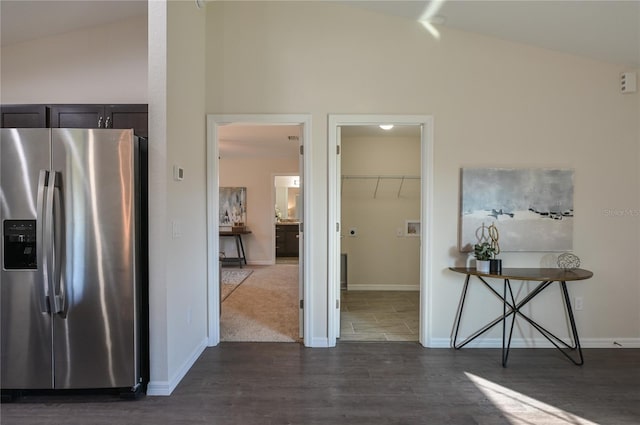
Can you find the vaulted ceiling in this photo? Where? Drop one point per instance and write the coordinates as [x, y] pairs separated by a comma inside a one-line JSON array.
[[607, 30]]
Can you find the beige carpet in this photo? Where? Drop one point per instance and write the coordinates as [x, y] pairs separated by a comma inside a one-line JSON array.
[[231, 279], [264, 308]]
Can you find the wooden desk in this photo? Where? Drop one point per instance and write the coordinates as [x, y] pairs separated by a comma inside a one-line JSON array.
[[237, 235], [511, 307]]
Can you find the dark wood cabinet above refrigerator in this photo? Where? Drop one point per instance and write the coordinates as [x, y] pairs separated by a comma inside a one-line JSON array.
[[101, 116], [24, 116], [122, 116]]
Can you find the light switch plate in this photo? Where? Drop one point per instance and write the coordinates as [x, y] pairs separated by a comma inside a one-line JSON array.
[[178, 173]]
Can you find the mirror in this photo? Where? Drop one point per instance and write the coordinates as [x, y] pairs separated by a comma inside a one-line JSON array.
[[287, 198]]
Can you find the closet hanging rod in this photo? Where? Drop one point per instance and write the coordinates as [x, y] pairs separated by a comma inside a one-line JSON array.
[[378, 178]]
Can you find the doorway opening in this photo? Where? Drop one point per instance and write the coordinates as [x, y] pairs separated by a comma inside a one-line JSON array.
[[288, 209], [379, 239], [253, 299], [411, 227]]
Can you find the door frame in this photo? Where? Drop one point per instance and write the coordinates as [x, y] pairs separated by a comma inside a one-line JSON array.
[[214, 121], [426, 217]]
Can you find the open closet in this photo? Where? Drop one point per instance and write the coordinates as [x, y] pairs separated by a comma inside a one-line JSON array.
[[380, 188]]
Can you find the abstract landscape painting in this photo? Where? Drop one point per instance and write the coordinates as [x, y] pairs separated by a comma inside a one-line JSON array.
[[531, 207]]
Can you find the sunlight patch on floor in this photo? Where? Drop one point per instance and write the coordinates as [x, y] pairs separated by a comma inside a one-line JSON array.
[[521, 409]]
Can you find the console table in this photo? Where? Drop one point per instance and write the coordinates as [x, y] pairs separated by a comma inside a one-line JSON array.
[[237, 235], [511, 307]]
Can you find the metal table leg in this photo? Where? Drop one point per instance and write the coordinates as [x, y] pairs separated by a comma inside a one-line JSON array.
[[512, 312], [244, 258], [558, 343], [238, 244], [459, 316], [511, 308]]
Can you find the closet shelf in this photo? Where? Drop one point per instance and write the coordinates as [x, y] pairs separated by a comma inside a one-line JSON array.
[[402, 178]]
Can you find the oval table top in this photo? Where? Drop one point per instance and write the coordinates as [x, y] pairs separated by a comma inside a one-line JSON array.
[[539, 274]]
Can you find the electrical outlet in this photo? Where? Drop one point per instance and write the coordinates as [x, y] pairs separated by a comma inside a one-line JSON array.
[[579, 305], [399, 232]]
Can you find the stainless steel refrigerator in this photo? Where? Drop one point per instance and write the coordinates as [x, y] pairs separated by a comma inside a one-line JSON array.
[[71, 270]]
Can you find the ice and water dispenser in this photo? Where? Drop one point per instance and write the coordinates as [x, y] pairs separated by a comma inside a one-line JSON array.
[[19, 244]]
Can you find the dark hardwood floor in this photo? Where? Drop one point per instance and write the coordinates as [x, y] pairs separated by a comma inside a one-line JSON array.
[[369, 383]]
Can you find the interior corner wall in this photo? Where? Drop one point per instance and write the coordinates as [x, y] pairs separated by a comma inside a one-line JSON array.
[[256, 174], [494, 103], [177, 209], [185, 231], [158, 226], [380, 256], [104, 64]]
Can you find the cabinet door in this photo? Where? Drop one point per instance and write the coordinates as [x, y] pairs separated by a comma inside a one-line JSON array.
[[287, 240], [128, 116], [77, 116], [292, 241], [23, 116], [281, 241]]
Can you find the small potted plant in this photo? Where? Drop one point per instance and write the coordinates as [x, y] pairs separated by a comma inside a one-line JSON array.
[[483, 253]]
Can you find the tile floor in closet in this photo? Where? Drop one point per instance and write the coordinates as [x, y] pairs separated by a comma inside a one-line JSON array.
[[379, 315]]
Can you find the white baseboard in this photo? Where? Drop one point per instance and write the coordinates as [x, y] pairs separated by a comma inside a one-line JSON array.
[[260, 263], [365, 287], [158, 388], [165, 388], [318, 343], [610, 343], [539, 343]]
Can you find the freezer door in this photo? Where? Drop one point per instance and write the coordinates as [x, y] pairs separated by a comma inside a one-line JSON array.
[[95, 334], [26, 326]]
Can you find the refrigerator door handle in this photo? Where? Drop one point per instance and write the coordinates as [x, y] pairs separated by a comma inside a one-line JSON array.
[[58, 232], [49, 241], [40, 241]]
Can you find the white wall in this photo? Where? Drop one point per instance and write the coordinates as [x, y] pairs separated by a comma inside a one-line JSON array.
[[379, 259], [256, 174], [494, 103], [105, 64], [158, 226], [178, 287]]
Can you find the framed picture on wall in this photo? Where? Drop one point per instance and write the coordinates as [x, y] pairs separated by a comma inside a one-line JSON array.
[[412, 228], [233, 205], [531, 207]]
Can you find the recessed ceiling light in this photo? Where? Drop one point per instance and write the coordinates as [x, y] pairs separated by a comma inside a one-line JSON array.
[[386, 126]]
